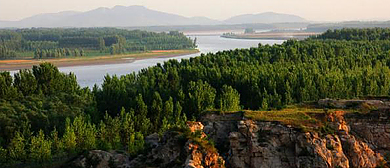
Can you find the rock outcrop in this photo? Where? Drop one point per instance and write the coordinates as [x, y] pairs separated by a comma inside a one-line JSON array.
[[199, 158], [350, 140], [100, 159], [353, 103], [176, 149], [272, 144]]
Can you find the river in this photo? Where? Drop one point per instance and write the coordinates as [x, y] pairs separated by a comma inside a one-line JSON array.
[[89, 75]]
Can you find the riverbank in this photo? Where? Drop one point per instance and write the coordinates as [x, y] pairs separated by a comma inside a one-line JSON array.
[[10, 65]]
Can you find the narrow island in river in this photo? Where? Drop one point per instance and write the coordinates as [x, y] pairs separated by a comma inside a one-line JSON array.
[[16, 64], [270, 35], [23, 48]]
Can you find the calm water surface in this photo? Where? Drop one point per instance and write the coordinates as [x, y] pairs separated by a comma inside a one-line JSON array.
[[93, 74]]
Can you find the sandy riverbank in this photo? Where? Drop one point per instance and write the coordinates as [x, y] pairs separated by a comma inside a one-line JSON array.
[[9, 65]]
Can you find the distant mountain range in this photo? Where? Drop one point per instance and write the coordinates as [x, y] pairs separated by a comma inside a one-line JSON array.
[[268, 17], [137, 16]]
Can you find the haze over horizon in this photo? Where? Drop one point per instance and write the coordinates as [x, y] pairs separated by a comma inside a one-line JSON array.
[[319, 10]]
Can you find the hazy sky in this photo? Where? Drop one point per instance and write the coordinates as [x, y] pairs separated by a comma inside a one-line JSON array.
[[314, 10]]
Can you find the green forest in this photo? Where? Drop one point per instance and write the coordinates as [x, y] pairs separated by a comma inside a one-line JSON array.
[[46, 115], [54, 43]]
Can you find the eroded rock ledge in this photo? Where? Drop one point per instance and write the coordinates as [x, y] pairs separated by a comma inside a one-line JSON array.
[[358, 141], [174, 149]]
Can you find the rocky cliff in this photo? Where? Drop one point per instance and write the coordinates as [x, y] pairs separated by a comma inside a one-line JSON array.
[[352, 140], [181, 149], [338, 139], [187, 148]]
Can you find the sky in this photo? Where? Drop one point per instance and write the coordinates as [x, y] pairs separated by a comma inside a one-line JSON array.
[[313, 10]]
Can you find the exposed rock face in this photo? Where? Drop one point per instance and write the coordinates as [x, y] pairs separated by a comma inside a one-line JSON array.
[[169, 151], [272, 144], [195, 126], [152, 140], [374, 128], [218, 127], [355, 140], [174, 150], [101, 159], [358, 151], [352, 103], [198, 156], [267, 144]]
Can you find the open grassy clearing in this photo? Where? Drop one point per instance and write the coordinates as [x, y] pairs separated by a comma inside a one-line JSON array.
[[300, 116]]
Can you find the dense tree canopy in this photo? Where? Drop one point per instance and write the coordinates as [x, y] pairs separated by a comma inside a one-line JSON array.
[[42, 97], [50, 43], [267, 76], [124, 109], [356, 34]]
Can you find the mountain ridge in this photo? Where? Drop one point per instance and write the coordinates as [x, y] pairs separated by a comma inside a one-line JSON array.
[[136, 16], [266, 17]]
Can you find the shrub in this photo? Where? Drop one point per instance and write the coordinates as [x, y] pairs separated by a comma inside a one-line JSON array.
[[229, 99], [3, 155], [136, 143], [57, 145], [17, 148], [40, 149], [69, 138]]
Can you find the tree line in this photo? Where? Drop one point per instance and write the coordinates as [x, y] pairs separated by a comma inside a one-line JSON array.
[[105, 40], [6, 53], [56, 53], [59, 115], [356, 34]]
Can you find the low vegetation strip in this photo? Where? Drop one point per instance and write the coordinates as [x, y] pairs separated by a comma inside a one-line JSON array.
[[296, 116]]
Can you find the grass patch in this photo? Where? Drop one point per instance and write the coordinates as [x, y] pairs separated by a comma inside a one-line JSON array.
[[306, 118], [290, 115]]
